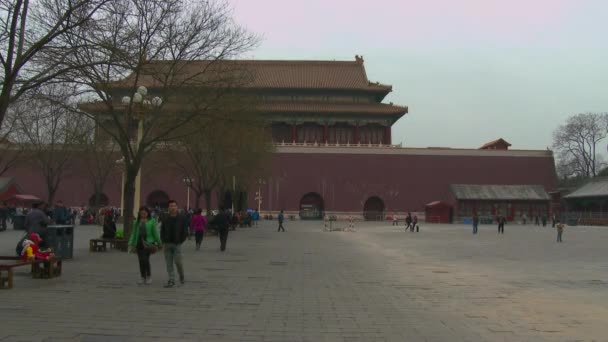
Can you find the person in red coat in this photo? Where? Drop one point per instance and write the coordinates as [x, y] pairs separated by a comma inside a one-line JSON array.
[[31, 251]]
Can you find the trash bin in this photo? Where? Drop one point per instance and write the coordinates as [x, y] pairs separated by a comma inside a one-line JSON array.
[[19, 222], [61, 240]]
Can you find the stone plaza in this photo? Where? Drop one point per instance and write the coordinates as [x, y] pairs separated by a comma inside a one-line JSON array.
[[376, 284]]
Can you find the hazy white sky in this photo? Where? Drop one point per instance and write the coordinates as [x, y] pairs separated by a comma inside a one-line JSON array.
[[470, 70]]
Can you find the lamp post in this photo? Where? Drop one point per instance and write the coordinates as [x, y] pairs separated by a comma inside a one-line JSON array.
[[121, 164], [258, 195], [141, 101], [188, 182]]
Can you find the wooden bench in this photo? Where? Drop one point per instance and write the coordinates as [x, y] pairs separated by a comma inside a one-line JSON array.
[[101, 245], [41, 269]]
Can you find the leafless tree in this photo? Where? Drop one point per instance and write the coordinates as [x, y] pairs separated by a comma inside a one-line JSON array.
[[10, 152], [100, 160], [31, 48], [178, 50], [51, 135], [576, 144], [233, 143]]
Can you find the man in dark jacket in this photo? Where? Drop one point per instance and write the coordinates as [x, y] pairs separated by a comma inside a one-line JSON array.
[[60, 214], [173, 232], [221, 222]]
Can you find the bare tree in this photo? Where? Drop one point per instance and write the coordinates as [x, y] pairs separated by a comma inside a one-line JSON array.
[[10, 152], [176, 49], [100, 160], [31, 49], [576, 144], [232, 143], [50, 134]]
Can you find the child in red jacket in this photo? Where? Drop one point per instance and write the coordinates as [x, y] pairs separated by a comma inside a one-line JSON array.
[[31, 251]]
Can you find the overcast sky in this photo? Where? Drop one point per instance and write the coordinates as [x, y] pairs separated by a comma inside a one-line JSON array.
[[470, 71]]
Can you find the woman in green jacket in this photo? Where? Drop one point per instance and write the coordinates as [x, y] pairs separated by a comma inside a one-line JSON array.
[[144, 229]]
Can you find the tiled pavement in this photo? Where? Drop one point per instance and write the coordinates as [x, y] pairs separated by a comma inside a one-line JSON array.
[[376, 284]]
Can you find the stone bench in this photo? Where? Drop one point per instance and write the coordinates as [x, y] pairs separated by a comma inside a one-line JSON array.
[[101, 245], [41, 269]]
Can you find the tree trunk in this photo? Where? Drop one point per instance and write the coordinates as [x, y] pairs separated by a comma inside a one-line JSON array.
[[129, 199], [197, 199], [207, 194]]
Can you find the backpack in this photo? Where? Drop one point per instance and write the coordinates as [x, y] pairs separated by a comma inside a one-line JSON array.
[[19, 248]]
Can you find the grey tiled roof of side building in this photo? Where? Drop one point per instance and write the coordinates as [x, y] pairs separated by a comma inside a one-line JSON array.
[[499, 192], [597, 187]]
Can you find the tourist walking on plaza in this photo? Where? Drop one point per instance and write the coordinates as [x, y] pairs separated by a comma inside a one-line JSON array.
[[199, 225], [408, 221], [60, 214], [501, 224], [221, 222], [144, 241], [415, 224], [255, 217], [281, 219], [173, 233], [395, 220], [560, 231], [475, 223], [544, 220], [553, 221]]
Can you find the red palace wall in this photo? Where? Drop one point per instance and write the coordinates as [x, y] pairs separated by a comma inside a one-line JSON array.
[[344, 180], [403, 182]]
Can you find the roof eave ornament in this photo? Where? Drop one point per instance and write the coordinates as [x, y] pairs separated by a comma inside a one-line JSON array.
[[359, 59]]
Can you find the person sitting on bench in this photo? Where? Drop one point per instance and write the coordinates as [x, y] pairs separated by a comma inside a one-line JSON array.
[[109, 226], [31, 251]]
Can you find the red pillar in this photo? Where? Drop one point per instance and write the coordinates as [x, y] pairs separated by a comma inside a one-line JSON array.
[[387, 135], [294, 133]]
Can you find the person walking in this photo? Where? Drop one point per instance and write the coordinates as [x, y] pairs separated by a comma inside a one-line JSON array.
[[144, 241], [408, 221], [173, 233], [560, 230], [221, 222], [281, 219], [501, 224], [255, 217], [199, 225], [475, 223], [553, 221], [60, 214], [395, 220]]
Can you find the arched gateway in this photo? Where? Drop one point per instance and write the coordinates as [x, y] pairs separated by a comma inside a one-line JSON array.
[[373, 210], [311, 207], [157, 198]]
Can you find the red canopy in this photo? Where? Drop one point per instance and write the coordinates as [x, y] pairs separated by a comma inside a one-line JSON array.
[[25, 198]]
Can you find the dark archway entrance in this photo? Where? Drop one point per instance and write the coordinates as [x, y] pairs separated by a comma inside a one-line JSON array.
[[373, 210], [311, 207], [103, 200], [158, 198]]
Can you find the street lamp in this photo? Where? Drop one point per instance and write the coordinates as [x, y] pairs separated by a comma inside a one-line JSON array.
[[140, 100], [121, 164], [258, 194], [188, 182]]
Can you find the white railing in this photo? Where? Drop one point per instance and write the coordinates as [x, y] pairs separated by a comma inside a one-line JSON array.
[[317, 144]]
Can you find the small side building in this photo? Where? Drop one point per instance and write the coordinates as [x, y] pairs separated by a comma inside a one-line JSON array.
[[589, 203], [511, 201]]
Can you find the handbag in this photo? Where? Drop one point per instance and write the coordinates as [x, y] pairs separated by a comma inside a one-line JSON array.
[[150, 247]]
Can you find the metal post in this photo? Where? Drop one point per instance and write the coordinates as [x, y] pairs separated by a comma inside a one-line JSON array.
[[233, 191], [188, 197], [122, 193]]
